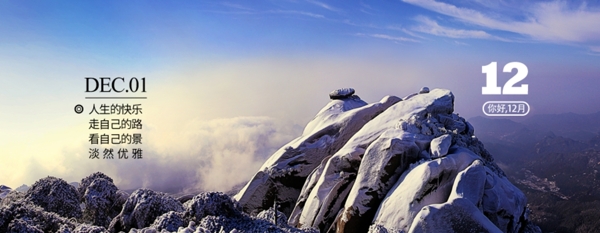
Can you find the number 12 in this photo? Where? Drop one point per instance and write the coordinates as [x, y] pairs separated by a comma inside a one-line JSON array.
[[491, 79]]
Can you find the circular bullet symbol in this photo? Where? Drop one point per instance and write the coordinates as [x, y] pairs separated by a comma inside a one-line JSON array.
[[78, 109]]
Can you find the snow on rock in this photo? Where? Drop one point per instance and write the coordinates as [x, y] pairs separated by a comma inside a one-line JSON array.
[[381, 166], [86, 228], [170, 221], [469, 183], [217, 212], [192, 228], [341, 93], [503, 203], [20, 215], [120, 199], [11, 197], [333, 185], [99, 195], [411, 165], [458, 215], [308, 185], [440, 146], [282, 176], [428, 183], [244, 224], [4, 190], [271, 215], [141, 209], [55, 195], [211, 203], [87, 181], [472, 193], [20, 225]]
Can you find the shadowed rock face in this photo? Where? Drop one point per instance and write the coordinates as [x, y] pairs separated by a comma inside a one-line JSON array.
[[409, 166]]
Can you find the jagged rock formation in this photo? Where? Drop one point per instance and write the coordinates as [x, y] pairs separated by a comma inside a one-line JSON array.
[[141, 209], [170, 221], [20, 215], [99, 195], [87, 181], [282, 176], [398, 165], [11, 197], [211, 203], [217, 212], [55, 195]]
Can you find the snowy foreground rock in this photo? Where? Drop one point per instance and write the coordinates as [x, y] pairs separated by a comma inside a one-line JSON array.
[[397, 165], [52, 205]]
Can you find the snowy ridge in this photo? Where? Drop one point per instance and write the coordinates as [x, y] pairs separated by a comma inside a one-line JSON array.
[[405, 165], [282, 176]]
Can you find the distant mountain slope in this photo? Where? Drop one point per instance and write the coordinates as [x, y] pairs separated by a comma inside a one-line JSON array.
[[555, 160]]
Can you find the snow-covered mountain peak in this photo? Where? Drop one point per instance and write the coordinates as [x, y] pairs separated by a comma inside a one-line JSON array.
[[397, 165]]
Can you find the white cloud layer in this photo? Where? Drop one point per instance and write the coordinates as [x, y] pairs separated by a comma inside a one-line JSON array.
[[553, 21], [387, 37], [324, 5], [432, 27], [204, 155]]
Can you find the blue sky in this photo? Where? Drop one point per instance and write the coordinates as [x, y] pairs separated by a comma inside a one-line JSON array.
[[219, 64]]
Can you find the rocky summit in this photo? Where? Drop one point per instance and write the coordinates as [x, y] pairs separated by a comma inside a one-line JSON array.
[[398, 165]]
